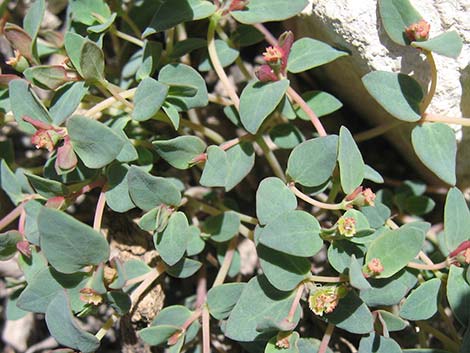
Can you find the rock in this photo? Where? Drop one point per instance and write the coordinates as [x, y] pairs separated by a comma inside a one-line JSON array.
[[356, 27]]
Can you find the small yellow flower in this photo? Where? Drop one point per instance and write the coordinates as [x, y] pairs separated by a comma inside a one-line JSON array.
[[347, 226]]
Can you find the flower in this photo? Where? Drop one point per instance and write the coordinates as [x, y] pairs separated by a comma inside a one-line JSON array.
[[90, 296], [275, 58], [375, 266], [323, 300], [418, 31], [347, 226], [238, 5], [282, 339]]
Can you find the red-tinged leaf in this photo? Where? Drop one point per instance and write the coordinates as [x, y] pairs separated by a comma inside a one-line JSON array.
[[20, 40], [6, 78]]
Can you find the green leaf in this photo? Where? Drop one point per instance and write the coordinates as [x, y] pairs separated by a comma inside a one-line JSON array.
[[448, 44], [227, 56], [258, 100], [66, 100], [312, 162], [294, 232], [340, 252], [172, 114], [32, 20], [187, 46], [103, 27], [73, 43], [184, 75], [351, 164], [394, 323], [396, 15], [395, 248], [378, 344], [148, 99], [8, 243], [96, 144], [436, 147], [119, 301], [418, 205], [82, 10], [46, 187], [31, 231], [241, 159], [216, 168], [389, 291], [400, 95], [150, 59], [24, 102], [356, 277], [13, 312], [310, 345], [148, 191], [10, 184], [322, 103], [68, 244], [258, 11], [49, 77], [45, 285], [352, 315], [195, 243], [172, 12], [222, 227], [273, 198], [456, 221], [184, 268], [117, 189], [172, 242], [180, 151], [221, 299], [372, 175], [245, 36], [283, 271], [270, 303], [177, 315], [458, 294], [286, 136], [293, 338], [307, 53], [91, 62], [422, 303], [64, 329], [157, 335]]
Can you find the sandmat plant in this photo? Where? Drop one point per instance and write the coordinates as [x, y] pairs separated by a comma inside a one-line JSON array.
[[155, 118]]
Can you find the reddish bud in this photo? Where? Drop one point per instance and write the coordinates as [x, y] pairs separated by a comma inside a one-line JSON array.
[[44, 139], [462, 247], [238, 5], [66, 158], [266, 74], [282, 339], [285, 43], [375, 266], [24, 248], [38, 124], [418, 31]]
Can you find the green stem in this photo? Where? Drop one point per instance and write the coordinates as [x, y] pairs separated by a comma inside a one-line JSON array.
[[106, 327], [449, 343], [376, 131], [326, 279], [131, 24], [316, 203], [209, 133], [225, 267], [432, 90], [129, 38], [107, 103], [216, 62], [271, 158]]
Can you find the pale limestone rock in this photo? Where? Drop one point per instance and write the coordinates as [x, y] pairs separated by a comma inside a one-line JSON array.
[[355, 26]]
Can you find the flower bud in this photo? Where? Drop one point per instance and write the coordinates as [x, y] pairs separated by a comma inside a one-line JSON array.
[[418, 32], [347, 226], [266, 74], [238, 5], [282, 339], [375, 267], [90, 296], [323, 300]]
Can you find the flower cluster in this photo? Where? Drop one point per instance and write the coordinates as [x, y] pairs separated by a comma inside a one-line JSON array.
[[347, 226], [361, 197], [275, 58], [374, 267], [323, 300], [418, 32]]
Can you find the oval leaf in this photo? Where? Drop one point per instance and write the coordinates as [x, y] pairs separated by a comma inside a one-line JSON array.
[[351, 164], [422, 303], [273, 198], [148, 99], [258, 11]]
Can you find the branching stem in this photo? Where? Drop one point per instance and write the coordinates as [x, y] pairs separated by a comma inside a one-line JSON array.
[[316, 203]]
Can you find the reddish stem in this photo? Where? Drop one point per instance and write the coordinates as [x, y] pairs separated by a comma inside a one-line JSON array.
[[326, 338], [201, 290], [22, 222], [206, 333], [14, 214], [306, 108], [295, 303], [99, 210], [433, 267]]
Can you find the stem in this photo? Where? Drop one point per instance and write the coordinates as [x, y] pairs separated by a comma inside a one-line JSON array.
[[107, 325], [439, 266], [316, 203], [14, 214], [206, 333], [143, 287], [271, 158], [295, 303], [306, 108], [376, 131], [129, 38], [209, 133], [219, 99], [22, 222], [432, 90], [267, 35], [326, 338], [201, 290], [107, 103], [443, 119], [131, 24], [453, 346], [99, 211], [223, 271], [326, 279], [216, 62], [115, 93]]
